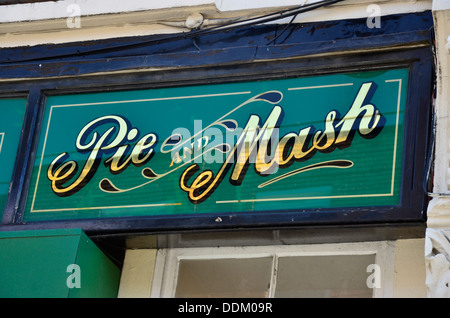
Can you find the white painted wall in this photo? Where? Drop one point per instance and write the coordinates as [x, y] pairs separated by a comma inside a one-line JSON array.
[[61, 9], [439, 208]]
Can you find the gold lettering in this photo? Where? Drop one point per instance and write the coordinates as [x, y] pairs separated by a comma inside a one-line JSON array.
[[60, 173], [355, 111], [253, 144]]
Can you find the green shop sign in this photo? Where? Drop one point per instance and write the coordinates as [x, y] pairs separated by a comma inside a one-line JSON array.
[[11, 121], [327, 141]]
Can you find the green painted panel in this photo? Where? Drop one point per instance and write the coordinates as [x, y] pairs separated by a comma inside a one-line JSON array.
[[11, 121], [35, 264], [99, 276], [311, 142]]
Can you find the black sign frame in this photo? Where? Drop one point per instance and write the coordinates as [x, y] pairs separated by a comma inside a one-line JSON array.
[[411, 49]]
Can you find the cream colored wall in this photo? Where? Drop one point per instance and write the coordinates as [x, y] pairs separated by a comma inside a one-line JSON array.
[[409, 270], [137, 273]]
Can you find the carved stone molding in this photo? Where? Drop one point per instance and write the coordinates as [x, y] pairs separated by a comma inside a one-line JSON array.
[[437, 262], [437, 240]]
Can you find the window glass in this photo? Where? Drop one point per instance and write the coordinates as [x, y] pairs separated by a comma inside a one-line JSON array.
[[230, 277], [327, 276], [358, 270], [331, 276]]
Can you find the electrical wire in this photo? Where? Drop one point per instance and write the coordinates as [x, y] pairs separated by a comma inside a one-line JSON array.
[[195, 33], [284, 30]]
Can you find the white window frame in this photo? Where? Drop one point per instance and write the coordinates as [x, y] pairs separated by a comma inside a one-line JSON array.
[[168, 260]]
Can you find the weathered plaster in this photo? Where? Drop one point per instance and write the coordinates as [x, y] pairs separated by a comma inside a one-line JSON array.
[[437, 246]]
